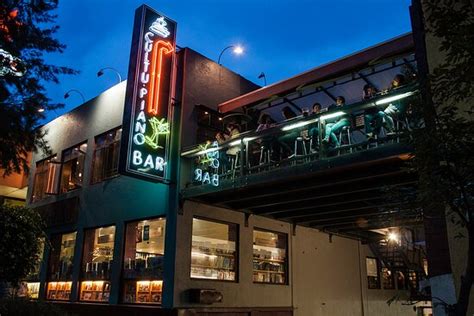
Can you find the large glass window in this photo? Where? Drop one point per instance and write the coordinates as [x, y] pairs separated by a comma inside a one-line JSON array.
[[213, 254], [387, 279], [44, 180], [373, 280], [96, 263], [106, 155], [143, 261], [60, 266], [30, 286], [269, 257], [72, 171]]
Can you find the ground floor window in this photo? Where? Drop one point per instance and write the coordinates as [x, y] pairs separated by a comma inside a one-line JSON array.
[[269, 257], [387, 279], [143, 261], [96, 264], [373, 281], [60, 266], [213, 251]]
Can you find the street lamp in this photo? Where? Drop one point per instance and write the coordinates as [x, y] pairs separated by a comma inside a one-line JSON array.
[[262, 75], [68, 94], [101, 72], [237, 49]]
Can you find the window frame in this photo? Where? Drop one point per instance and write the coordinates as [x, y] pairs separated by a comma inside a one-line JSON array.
[[379, 277], [237, 250], [287, 261], [59, 188], [117, 174], [121, 284], [44, 194]]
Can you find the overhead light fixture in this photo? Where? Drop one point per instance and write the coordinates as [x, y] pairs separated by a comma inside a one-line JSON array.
[[41, 110], [245, 140], [393, 237], [298, 125], [332, 115], [208, 150], [394, 98]]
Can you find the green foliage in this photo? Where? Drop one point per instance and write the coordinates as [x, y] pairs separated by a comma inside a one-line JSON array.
[[27, 36], [20, 232], [24, 307]]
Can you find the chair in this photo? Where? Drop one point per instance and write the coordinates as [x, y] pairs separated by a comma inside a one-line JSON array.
[[265, 154], [345, 132], [299, 149]]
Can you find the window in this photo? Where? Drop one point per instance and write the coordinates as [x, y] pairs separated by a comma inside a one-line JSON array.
[[60, 266], [387, 279], [44, 180], [106, 155], [143, 261], [96, 263], [269, 257], [213, 253], [373, 281], [72, 171]]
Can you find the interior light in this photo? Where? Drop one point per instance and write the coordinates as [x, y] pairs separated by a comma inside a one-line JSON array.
[[298, 125], [238, 50], [394, 98], [393, 237], [245, 140], [41, 110], [332, 115], [208, 150]]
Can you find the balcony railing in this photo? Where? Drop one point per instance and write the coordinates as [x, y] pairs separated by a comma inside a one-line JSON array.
[[303, 139]]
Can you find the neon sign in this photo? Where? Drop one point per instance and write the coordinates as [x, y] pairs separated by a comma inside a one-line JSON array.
[[146, 125], [208, 173]]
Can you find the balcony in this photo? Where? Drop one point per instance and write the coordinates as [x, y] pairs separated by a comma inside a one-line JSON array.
[[291, 172]]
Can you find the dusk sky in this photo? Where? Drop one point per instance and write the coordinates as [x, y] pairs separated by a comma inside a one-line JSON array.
[[281, 38]]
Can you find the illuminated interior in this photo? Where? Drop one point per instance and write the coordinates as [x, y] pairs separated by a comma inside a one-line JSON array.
[[269, 257], [213, 254], [143, 261], [143, 292], [95, 291], [33, 289], [59, 291]]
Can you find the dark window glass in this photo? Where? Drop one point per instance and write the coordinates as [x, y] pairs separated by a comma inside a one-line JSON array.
[[106, 155], [387, 279], [143, 261], [96, 262], [269, 257], [44, 179], [72, 171], [373, 280], [60, 266]]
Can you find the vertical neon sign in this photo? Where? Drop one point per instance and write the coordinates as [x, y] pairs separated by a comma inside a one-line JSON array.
[[146, 127]]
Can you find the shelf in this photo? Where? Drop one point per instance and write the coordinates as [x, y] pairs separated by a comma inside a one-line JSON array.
[[270, 260], [205, 253], [212, 268], [264, 271]]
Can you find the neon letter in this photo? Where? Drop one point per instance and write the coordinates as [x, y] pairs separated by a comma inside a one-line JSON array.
[[160, 49], [215, 180], [148, 161], [198, 175], [137, 158], [139, 139], [159, 163]]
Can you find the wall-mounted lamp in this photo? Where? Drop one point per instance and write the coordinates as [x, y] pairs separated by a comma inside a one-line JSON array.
[[237, 49], [101, 72], [68, 94]]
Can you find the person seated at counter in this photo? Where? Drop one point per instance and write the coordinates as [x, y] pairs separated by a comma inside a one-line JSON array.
[[397, 109], [373, 116], [287, 113], [335, 126], [313, 131], [265, 122]]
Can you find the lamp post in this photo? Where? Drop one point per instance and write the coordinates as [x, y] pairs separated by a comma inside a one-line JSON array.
[[68, 94], [237, 50], [101, 72]]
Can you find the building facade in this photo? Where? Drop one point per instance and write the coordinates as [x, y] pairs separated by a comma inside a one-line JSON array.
[[148, 212]]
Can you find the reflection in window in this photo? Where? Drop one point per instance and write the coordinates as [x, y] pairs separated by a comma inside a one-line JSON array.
[[213, 254], [143, 261], [269, 257], [106, 155], [61, 266], [96, 263], [373, 281], [72, 171], [387, 279], [44, 179]]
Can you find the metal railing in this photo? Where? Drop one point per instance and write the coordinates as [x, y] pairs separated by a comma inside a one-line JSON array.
[[303, 140]]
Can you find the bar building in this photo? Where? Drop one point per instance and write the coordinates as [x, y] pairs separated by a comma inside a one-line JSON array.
[[148, 213]]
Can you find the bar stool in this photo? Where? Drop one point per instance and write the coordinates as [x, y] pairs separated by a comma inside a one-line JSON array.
[[235, 163], [299, 144], [265, 154], [345, 132]]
